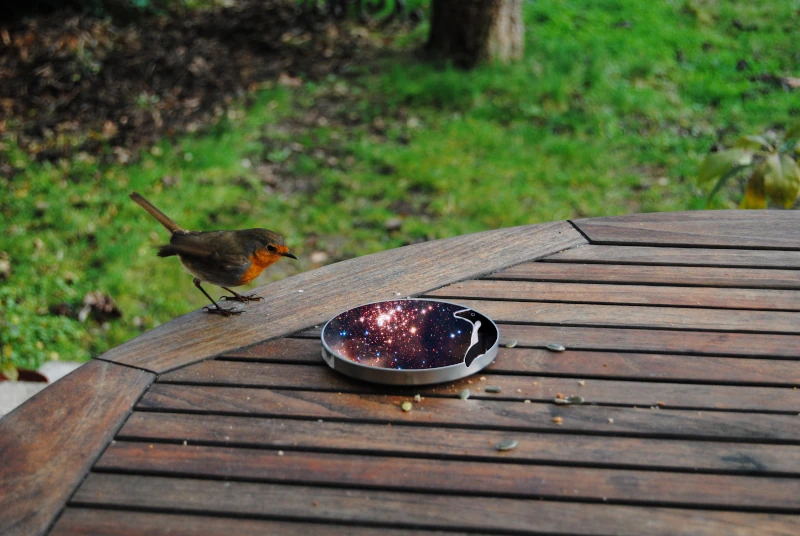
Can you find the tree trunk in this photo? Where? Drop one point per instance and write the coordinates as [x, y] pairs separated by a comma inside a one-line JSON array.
[[469, 32]]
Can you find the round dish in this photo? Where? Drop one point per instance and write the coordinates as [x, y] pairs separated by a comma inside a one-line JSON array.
[[409, 342]]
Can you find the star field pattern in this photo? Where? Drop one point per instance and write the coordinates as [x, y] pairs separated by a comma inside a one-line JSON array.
[[405, 334]]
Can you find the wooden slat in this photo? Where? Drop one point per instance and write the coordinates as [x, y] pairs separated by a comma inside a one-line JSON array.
[[653, 275], [293, 350], [752, 229], [672, 395], [665, 341], [424, 441], [626, 316], [454, 476], [584, 364], [476, 413], [707, 297], [332, 289], [41, 465], [89, 521], [399, 509], [667, 256]]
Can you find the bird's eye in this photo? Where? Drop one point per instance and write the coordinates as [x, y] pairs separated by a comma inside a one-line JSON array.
[[272, 248]]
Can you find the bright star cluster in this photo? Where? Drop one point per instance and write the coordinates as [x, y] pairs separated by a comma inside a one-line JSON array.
[[401, 334]]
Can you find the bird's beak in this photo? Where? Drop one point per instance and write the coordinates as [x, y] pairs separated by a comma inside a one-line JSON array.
[[287, 254]]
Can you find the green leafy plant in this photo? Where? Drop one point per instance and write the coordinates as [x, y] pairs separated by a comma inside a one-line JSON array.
[[769, 162]]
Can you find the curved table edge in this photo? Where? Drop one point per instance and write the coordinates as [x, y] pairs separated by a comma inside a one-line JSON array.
[[313, 297], [41, 465], [746, 229]]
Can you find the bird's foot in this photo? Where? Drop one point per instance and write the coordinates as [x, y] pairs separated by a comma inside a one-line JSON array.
[[220, 311], [241, 298]]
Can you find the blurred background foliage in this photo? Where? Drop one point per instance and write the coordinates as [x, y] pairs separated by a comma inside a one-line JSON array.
[[355, 146]]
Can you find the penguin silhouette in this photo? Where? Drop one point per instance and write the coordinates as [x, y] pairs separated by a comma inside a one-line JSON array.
[[483, 334]]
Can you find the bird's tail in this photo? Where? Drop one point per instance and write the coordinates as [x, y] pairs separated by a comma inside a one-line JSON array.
[[157, 214]]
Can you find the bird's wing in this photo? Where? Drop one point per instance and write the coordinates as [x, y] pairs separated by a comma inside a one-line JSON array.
[[196, 245]]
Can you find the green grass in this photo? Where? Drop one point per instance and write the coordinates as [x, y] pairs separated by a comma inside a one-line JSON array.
[[610, 112]]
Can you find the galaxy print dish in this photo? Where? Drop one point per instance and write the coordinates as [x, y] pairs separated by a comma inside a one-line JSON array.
[[409, 342]]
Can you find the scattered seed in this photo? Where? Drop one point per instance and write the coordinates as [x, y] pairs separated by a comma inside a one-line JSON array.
[[406, 406], [576, 400], [555, 347], [558, 420], [660, 404], [581, 383], [561, 401], [464, 394], [527, 401], [510, 344], [280, 453], [483, 378], [492, 389], [559, 395], [610, 421], [301, 290], [519, 390], [185, 443], [417, 398], [315, 504], [506, 444]]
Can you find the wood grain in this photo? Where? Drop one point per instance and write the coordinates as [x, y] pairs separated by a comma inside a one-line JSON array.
[[667, 256], [628, 316], [653, 275], [475, 413], [460, 443], [604, 392], [424, 511], [284, 349], [583, 364], [453, 476], [705, 297], [663, 341], [42, 464], [329, 290], [89, 521], [752, 229]]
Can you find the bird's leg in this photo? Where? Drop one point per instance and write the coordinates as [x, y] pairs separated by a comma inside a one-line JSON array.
[[239, 297], [217, 309]]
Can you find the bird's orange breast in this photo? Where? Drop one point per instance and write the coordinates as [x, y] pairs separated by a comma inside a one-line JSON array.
[[259, 259]]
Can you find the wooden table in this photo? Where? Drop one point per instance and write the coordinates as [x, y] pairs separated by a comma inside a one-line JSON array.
[[683, 337]]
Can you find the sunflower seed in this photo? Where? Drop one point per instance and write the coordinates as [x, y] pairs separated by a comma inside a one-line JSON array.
[[506, 444], [463, 395], [576, 400], [555, 347], [406, 406]]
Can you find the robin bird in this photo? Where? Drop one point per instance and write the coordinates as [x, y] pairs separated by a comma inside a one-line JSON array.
[[222, 258]]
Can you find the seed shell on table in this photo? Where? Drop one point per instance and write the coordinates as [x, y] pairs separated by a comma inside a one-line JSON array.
[[464, 394], [553, 347], [510, 344], [506, 444]]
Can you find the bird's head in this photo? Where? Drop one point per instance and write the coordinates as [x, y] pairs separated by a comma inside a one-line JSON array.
[[271, 244]]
